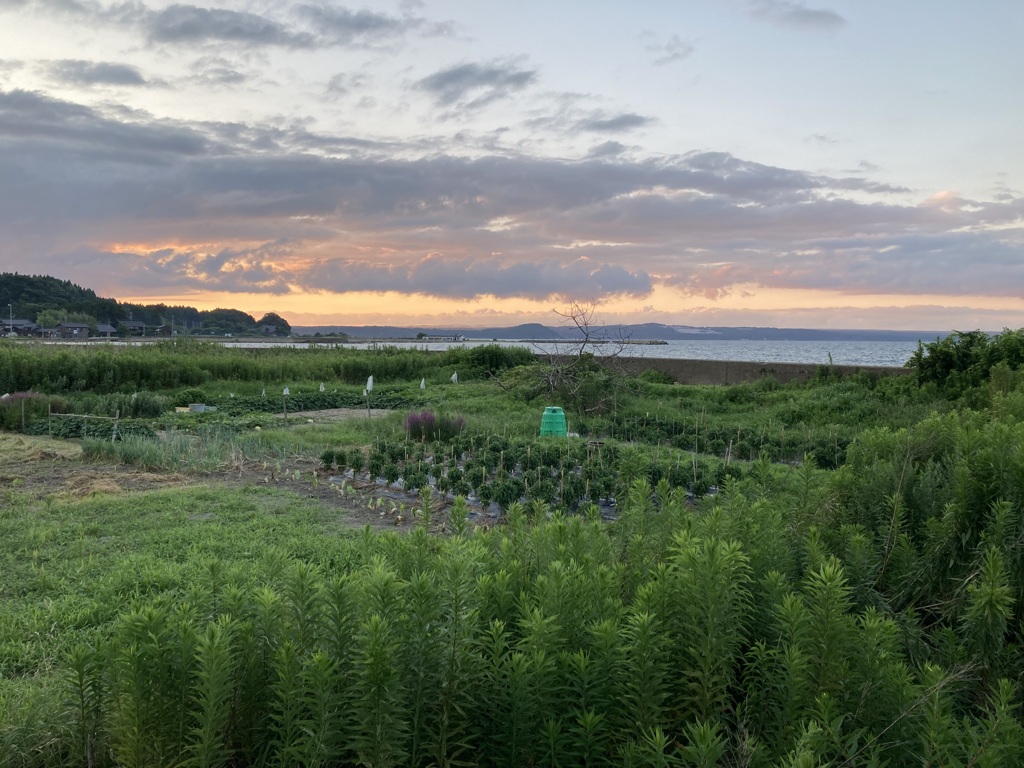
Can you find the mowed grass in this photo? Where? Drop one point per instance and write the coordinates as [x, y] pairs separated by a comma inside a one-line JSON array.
[[68, 568]]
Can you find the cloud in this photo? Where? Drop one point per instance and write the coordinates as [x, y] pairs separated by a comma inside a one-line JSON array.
[[88, 73], [192, 24], [472, 85], [42, 124], [671, 51], [231, 270], [267, 207], [54, 6], [217, 71], [265, 269], [341, 26], [342, 84], [906, 264], [436, 275], [866, 166], [627, 121], [797, 15], [607, 149], [307, 25]]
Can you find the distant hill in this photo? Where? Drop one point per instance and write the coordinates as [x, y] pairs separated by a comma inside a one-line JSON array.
[[31, 297], [693, 333], [639, 332], [395, 332]]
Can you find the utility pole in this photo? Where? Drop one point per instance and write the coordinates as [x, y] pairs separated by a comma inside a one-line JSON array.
[[10, 328]]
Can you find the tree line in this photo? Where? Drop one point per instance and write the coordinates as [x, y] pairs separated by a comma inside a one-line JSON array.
[[48, 301]]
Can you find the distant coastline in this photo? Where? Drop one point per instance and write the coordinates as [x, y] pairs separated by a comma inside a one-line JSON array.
[[645, 332]]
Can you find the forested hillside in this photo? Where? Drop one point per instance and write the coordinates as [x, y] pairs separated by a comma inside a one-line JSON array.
[[29, 296], [47, 300]]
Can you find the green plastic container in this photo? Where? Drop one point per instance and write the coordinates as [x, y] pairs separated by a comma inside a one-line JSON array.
[[553, 422]]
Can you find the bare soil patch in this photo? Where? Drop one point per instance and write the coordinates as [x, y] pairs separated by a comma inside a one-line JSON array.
[[39, 468], [337, 414]]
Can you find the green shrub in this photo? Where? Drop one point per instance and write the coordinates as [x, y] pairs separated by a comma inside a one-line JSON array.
[[328, 457], [356, 460], [187, 396], [654, 376]]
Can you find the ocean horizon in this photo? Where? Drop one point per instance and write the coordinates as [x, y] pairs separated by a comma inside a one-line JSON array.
[[893, 354]]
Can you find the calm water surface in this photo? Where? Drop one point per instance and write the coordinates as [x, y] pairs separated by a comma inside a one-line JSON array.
[[887, 353]]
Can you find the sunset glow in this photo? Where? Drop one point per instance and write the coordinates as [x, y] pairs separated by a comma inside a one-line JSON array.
[[442, 163]]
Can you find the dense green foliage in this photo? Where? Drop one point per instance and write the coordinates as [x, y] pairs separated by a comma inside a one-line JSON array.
[[173, 364], [676, 631], [271, 319], [47, 300], [962, 361], [30, 295], [227, 322], [871, 613], [786, 422]]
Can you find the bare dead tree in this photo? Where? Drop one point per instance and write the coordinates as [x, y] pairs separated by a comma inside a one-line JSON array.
[[586, 369]]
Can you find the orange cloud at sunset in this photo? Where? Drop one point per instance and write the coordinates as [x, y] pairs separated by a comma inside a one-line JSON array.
[[476, 174], [749, 305]]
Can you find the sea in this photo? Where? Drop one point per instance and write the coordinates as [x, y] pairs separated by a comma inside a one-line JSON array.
[[868, 353]]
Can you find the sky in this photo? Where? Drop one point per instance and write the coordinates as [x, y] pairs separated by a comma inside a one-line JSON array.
[[463, 163]]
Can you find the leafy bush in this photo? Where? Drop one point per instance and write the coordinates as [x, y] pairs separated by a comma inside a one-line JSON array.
[[355, 460], [415, 478], [327, 458], [187, 396], [391, 472], [491, 359], [378, 460], [964, 360]]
